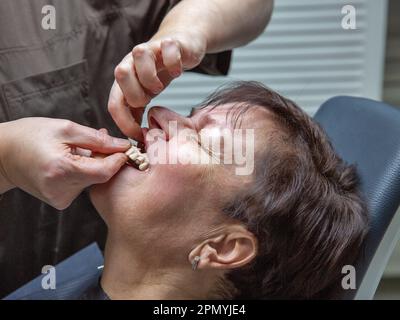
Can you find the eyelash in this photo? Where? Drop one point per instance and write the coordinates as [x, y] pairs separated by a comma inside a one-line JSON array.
[[209, 151], [197, 140]]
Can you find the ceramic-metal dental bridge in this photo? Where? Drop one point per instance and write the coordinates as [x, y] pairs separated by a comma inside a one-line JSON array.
[[137, 158]]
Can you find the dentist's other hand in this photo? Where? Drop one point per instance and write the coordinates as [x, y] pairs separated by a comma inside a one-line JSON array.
[[147, 71], [50, 158]]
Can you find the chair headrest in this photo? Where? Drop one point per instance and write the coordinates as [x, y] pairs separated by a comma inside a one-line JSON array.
[[367, 133]]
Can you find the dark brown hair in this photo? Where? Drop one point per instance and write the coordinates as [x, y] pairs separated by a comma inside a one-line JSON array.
[[304, 206]]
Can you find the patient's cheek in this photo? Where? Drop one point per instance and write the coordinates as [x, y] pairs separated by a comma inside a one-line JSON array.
[[187, 154], [174, 153], [167, 193]]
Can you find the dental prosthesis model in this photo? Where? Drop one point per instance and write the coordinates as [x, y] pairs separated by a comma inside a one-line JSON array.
[[138, 159]]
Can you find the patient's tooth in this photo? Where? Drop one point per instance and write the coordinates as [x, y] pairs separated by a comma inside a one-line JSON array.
[[143, 166], [140, 157]]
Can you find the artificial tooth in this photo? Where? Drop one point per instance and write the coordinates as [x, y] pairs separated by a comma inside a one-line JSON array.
[[139, 159], [134, 156], [131, 150], [143, 166]]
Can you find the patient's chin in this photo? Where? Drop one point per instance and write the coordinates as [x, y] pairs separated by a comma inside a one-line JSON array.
[[112, 196], [98, 194], [95, 191]]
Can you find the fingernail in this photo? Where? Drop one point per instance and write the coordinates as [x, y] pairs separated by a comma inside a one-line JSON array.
[[168, 42], [170, 46], [121, 142]]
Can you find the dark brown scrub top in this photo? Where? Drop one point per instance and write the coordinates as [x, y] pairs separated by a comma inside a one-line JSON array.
[[64, 73]]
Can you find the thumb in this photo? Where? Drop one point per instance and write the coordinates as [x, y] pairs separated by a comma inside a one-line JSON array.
[[100, 170]]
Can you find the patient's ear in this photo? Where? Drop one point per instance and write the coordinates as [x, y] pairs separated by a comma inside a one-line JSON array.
[[232, 247]]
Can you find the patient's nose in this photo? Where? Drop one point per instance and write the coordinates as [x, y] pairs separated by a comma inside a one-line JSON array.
[[166, 120]]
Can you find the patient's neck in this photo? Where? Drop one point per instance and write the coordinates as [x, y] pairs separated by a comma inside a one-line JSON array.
[[131, 273]]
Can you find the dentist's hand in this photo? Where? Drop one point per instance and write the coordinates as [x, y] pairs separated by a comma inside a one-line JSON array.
[[147, 71], [51, 158]]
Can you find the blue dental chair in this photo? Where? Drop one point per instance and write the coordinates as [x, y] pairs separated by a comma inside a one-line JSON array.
[[367, 133]]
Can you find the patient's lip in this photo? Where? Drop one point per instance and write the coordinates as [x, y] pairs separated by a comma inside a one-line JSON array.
[[144, 132], [131, 168]]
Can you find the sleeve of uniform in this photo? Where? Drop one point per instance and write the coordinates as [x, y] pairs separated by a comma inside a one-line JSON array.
[[215, 64], [153, 12]]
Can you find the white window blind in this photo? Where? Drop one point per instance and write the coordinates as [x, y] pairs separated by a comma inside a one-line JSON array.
[[305, 54], [391, 92]]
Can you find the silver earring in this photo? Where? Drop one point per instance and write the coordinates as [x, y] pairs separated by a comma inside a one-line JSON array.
[[195, 262]]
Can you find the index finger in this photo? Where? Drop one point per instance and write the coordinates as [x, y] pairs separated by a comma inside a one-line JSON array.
[[122, 115], [94, 140], [145, 66]]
